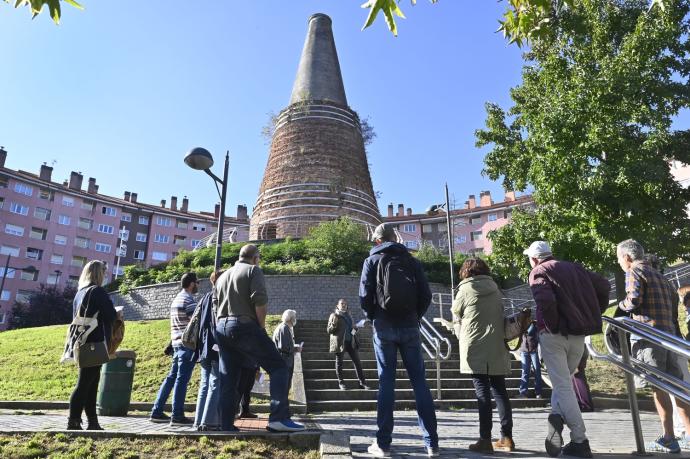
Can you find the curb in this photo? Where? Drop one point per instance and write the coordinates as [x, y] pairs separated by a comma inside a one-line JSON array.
[[610, 403], [295, 407]]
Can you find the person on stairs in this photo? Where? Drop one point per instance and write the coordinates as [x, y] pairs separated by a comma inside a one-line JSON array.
[[343, 339]]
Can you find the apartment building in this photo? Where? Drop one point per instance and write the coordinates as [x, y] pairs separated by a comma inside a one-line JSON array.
[[470, 225], [54, 228]]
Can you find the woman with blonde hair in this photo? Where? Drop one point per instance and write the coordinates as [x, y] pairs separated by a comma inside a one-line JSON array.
[[94, 315]]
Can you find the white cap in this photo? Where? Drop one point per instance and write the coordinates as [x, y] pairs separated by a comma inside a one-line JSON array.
[[539, 250]]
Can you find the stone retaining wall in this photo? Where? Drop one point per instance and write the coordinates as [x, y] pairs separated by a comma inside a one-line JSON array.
[[313, 297]]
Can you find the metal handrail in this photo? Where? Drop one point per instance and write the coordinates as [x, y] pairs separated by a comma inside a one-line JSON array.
[[434, 339], [437, 298], [626, 326]]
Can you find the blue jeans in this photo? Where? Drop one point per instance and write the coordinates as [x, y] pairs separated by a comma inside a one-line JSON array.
[[240, 342], [207, 411], [176, 381], [529, 360], [387, 343]]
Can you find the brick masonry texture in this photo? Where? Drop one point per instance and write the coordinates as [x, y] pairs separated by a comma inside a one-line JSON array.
[[313, 297]]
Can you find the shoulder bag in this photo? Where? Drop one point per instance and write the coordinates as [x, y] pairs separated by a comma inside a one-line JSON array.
[[88, 354]]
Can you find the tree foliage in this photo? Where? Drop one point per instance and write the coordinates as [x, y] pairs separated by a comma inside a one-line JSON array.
[[591, 131], [48, 305]]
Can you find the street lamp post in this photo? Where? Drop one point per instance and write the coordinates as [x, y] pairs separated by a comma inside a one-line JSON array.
[[200, 159], [446, 207], [29, 268]]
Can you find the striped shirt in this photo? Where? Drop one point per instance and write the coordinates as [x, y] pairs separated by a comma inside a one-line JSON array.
[[649, 297], [181, 310]]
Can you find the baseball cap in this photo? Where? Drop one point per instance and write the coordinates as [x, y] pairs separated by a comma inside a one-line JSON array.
[[385, 232], [538, 249]]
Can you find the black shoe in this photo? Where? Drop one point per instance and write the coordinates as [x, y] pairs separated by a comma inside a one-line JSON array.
[[159, 418], [248, 415], [342, 386], [577, 449], [554, 439], [183, 421], [93, 424], [74, 424], [364, 386]]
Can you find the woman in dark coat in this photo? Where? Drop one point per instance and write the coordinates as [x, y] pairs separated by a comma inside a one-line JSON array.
[[91, 302], [343, 333]]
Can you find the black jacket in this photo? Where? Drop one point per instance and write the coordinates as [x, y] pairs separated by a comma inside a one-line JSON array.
[[91, 300]]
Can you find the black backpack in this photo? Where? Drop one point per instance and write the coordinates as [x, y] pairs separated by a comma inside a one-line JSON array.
[[396, 284]]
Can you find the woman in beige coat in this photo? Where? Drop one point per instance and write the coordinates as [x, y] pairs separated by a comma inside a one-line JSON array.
[[479, 310]]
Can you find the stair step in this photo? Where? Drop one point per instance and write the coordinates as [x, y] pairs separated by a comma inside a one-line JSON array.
[[401, 383], [400, 394], [372, 373], [309, 363], [370, 405]]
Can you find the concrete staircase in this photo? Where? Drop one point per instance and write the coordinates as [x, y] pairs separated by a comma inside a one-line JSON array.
[[323, 393]]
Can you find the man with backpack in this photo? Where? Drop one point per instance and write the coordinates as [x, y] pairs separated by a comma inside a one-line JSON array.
[[395, 294]]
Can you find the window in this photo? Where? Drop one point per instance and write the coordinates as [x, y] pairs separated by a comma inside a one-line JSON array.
[[20, 209], [34, 254], [506, 214], [2, 202], [195, 243], [14, 230], [442, 228], [56, 259], [46, 194], [492, 217], [107, 229], [64, 219], [119, 270], [29, 275], [82, 242], [163, 221], [143, 220], [110, 211], [2, 317], [182, 224], [52, 279], [3, 181], [461, 239], [426, 228], [199, 227], [476, 236], [139, 254], [409, 228], [79, 262], [104, 248], [23, 296], [162, 238], [9, 250], [85, 223], [126, 217], [475, 220], [42, 213], [60, 240], [141, 237], [38, 233], [9, 274], [23, 188], [179, 240], [67, 201], [159, 256], [5, 295], [72, 281], [88, 205], [411, 244]]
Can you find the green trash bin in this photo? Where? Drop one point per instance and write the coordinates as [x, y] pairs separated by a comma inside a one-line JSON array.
[[115, 386]]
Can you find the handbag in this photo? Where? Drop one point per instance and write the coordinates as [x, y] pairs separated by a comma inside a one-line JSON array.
[[190, 336], [88, 354], [515, 326]]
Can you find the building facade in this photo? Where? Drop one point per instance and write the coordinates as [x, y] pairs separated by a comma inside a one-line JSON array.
[[54, 228]]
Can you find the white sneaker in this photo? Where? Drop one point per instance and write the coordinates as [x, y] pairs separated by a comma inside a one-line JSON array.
[[287, 425], [433, 451], [376, 451]]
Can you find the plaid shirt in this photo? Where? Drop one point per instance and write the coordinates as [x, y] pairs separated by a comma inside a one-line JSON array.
[[650, 297]]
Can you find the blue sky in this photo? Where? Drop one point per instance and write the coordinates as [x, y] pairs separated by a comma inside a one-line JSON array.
[[121, 90]]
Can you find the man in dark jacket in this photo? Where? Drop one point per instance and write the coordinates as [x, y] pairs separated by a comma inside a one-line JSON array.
[[389, 270], [569, 300]]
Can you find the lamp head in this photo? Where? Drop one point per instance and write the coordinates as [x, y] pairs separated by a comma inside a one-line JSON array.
[[30, 269], [199, 158], [432, 210]]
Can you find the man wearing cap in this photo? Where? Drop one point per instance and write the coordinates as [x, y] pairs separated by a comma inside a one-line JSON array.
[[569, 301], [395, 294]]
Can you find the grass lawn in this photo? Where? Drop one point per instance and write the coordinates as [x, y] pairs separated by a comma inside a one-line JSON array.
[[63, 446], [30, 367]]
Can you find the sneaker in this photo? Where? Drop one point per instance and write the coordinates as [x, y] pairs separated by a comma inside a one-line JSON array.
[[287, 425], [342, 386], [248, 415], [482, 446], [364, 386], [578, 449], [159, 418], [523, 395], [663, 444], [684, 441], [377, 451], [504, 444], [539, 396], [183, 421], [554, 439], [433, 451]]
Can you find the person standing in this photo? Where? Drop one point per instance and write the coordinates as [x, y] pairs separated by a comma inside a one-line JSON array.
[[284, 339], [343, 339], [242, 337], [529, 354], [90, 302], [181, 311], [395, 294], [483, 353], [245, 384], [569, 302], [652, 300]]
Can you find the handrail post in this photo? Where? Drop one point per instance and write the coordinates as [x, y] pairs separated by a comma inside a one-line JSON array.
[[438, 369], [632, 395]]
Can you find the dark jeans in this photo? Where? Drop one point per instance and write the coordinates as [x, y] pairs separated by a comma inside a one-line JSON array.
[[241, 342], [244, 389], [530, 360], [354, 355], [387, 343], [485, 386], [84, 395]]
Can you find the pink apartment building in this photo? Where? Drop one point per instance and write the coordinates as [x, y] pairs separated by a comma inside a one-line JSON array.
[[470, 225], [57, 227]]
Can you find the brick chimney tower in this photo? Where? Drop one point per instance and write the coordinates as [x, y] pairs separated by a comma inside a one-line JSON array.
[[317, 169]]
